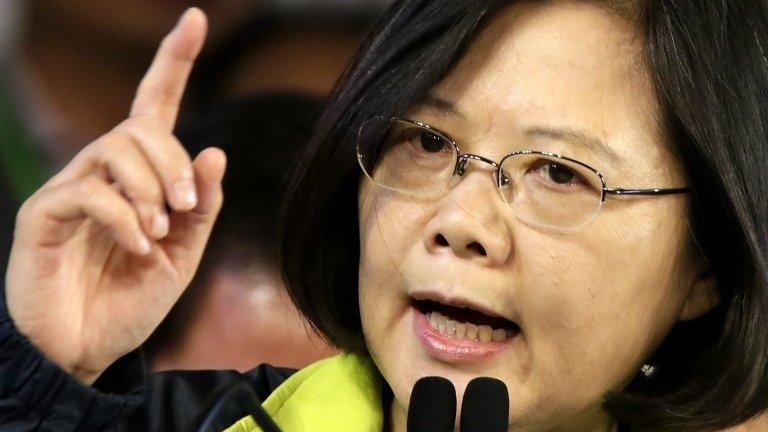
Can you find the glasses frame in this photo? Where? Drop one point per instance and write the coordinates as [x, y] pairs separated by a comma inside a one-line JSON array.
[[463, 158]]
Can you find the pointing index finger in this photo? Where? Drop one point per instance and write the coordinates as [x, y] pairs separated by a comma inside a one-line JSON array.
[[160, 91]]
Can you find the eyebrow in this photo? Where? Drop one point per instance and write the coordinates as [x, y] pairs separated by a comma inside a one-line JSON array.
[[575, 137], [565, 134], [437, 103]]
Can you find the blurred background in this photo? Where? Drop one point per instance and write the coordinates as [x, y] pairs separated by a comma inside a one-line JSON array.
[[68, 72]]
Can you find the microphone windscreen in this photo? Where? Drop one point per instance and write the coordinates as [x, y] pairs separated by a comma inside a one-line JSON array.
[[432, 407], [485, 406]]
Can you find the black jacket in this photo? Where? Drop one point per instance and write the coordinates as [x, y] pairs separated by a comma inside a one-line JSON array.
[[36, 395]]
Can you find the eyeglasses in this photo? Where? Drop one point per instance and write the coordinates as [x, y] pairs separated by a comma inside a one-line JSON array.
[[542, 189]]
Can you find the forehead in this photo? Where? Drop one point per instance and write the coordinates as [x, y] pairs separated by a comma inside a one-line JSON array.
[[561, 64]]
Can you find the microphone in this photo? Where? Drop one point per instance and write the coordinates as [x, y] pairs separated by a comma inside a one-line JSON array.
[[432, 407], [485, 406]]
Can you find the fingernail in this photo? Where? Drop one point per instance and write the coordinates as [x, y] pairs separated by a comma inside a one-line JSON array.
[[160, 224], [142, 244], [184, 192]]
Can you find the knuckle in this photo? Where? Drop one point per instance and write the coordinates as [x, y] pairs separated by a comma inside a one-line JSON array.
[[89, 186], [114, 143], [91, 151], [108, 147], [145, 127], [140, 124], [35, 202], [162, 147], [151, 192], [27, 208], [132, 125]]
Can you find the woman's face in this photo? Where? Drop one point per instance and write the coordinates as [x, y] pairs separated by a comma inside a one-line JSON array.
[[582, 309]]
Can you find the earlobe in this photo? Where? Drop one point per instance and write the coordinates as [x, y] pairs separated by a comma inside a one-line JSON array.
[[702, 297]]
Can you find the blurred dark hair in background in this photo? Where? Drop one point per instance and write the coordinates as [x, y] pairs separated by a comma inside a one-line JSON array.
[[236, 312]]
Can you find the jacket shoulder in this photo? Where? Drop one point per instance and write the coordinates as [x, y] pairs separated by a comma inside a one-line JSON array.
[[191, 400]]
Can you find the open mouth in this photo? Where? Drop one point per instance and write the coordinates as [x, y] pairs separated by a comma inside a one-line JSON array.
[[465, 323]]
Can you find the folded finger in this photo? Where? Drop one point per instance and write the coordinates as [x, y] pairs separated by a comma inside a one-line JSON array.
[[86, 198], [168, 158]]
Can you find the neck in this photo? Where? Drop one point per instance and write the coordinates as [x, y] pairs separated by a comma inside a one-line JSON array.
[[396, 417]]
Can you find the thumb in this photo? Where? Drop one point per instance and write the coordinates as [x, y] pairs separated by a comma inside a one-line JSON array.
[[190, 230], [209, 167]]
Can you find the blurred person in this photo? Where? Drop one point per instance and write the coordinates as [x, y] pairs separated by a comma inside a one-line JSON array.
[[237, 313]]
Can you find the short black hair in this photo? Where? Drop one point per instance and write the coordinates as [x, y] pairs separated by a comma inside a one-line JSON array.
[[711, 77]]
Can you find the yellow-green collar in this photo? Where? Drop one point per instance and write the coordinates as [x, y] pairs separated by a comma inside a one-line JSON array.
[[340, 394]]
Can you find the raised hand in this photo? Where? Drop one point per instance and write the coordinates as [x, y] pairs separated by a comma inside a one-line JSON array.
[[97, 262]]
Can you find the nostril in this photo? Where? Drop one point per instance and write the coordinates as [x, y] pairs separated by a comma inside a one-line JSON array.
[[477, 247], [441, 240]]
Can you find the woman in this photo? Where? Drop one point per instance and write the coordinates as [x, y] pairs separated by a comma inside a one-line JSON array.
[[561, 195]]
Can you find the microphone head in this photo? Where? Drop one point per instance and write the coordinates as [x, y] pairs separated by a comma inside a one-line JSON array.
[[432, 407], [485, 406]]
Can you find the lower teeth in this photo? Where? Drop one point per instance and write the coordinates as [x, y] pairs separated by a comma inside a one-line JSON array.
[[466, 331]]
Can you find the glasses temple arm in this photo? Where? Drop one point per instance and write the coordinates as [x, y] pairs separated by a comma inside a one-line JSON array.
[[669, 191]]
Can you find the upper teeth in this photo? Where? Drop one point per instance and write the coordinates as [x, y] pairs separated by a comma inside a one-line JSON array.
[[466, 331]]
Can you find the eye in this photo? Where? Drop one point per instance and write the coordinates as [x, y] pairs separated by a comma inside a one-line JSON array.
[[428, 141], [557, 173]]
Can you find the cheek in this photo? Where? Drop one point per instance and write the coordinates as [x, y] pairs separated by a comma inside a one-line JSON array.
[[603, 298], [390, 229]]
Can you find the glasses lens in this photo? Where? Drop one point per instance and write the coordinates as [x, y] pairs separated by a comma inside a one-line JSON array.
[[406, 157], [550, 190]]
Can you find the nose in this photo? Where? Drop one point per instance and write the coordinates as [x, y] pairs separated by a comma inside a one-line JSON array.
[[471, 222]]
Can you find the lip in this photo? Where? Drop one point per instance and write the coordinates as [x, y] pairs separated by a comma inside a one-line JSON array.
[[450, 350], [460, 302]]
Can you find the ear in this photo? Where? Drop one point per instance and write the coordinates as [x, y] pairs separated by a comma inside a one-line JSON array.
[[702, 297]]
